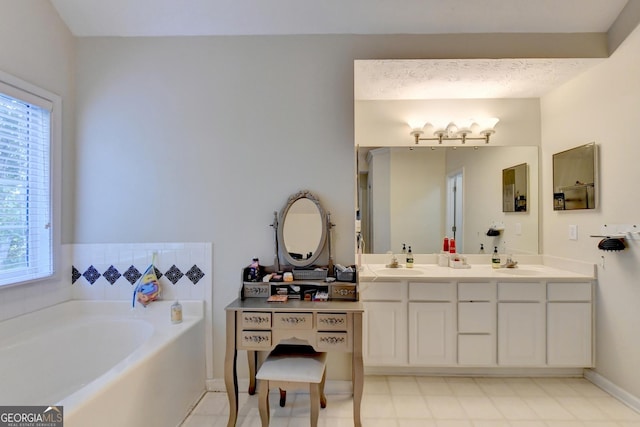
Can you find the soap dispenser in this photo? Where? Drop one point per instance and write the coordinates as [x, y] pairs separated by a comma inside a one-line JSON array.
[[409, 258], [495, 258]]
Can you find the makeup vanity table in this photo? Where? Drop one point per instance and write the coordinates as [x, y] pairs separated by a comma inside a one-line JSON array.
[[333, 324], [257, 325]]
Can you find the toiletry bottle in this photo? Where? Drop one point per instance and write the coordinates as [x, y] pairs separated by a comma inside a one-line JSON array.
[[452, 246], [445, 245], [404, 248], [409, 258], [176, 312], [481, 248], [495, 258]]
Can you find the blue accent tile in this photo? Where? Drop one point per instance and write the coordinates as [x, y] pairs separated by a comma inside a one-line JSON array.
[[75, 274], [132, 275], [112, 275], [174, 274], [195, 274], [91, 275]]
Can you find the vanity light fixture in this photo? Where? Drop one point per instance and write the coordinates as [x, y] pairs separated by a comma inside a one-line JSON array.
[[456, 131]]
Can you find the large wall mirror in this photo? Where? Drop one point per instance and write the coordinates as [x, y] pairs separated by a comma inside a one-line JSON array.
[[515, 186], [417, 195], [574, 178], [302, 229]]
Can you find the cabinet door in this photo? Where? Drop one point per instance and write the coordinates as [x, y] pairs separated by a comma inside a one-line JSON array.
[[521, 334], [569, 334], [385, 333], [432, 333]]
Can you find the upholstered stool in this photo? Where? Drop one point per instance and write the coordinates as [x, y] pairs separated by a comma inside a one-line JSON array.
[[290, 367]]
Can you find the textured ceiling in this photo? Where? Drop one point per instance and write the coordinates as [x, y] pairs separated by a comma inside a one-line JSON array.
[[462, 78]]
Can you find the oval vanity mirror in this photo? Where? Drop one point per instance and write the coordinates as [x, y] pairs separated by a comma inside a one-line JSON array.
[[303, 229]]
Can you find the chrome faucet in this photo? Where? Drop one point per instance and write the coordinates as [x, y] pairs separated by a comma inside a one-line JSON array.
[[394, 261]]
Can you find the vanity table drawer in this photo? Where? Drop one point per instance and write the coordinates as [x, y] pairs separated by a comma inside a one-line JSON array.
[[333, 341], [301, 321], [332, 321], [255, 320], [256, 340]]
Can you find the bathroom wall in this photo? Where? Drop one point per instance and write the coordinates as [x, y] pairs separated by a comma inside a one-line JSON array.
[[37, 47], [602, 105]]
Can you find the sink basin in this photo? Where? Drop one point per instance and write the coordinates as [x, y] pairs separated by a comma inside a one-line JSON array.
[[398, 272], [518, 271]]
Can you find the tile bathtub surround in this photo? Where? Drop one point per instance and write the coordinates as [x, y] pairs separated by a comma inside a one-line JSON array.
[[407, 401], [111, 271]]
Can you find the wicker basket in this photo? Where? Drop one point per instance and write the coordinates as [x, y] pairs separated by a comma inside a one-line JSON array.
[[309, 274]]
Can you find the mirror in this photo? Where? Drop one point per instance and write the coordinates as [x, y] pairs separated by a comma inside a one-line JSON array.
[[303, 229], [514, 188], [405, 196], [574, 178]]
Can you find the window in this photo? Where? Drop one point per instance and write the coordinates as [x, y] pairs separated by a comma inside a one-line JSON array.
[[26, 203]]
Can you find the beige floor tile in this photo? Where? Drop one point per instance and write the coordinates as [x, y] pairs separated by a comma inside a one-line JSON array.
[[547, 408], [411, 406], [434, 386], [514, 408], [403, 385], [480, 408], [445, 407]]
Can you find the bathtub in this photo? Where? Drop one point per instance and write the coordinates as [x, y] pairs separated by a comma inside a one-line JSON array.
[[106, 363]]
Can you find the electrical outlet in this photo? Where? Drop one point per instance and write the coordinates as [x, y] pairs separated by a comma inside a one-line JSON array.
[[573, 232]]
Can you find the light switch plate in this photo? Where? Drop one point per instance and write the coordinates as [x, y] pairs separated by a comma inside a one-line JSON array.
[[573, 232]]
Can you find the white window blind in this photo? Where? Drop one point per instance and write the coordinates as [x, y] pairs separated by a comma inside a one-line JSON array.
[[25, 186]]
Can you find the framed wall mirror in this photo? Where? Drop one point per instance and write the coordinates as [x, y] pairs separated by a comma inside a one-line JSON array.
[[574, 178], [302, 229], [515, 182]]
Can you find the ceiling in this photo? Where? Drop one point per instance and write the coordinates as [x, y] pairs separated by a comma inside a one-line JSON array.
[[408, 79]]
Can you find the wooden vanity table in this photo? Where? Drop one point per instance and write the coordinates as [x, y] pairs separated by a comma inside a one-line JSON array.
[[257, 325]]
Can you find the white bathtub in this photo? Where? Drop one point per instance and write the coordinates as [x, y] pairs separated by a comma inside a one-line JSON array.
[[106, 364]]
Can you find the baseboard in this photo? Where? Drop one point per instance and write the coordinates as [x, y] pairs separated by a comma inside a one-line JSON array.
[[474, 372], [622, 395], [330, 387]]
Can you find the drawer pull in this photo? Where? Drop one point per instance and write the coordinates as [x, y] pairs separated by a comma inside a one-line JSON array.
[[294, 320], [248, 319], [256, 339], [332, 340], [344, 292], [332, 321]]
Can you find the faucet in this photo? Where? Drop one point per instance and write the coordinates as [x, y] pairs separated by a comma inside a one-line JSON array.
[[394, 261], [510, 263]]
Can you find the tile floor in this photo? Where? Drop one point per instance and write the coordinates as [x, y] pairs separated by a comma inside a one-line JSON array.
[[406, 401]]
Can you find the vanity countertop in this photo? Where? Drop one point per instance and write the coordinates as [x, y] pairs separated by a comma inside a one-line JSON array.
[[525, 272]]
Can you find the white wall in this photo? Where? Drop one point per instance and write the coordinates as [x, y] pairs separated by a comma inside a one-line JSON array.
[[602, 105]]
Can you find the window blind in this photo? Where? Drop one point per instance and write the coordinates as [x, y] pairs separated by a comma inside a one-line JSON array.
[[25, 186]]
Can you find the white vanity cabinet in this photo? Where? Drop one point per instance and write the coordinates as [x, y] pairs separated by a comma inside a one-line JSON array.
[[432, 324], [477, 323], [569, 324], [521, 324], [385, 323]]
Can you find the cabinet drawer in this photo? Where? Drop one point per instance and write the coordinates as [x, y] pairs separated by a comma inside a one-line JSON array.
[[336, 341], [332, 321], [432, 291], [476, 291], [255, 320], [569, 291], [527, 291], [382, 291], [293, 320], [476, 317], [476, 350], [255, 339]]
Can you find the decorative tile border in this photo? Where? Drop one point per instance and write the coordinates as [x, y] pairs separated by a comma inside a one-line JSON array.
[[111, 275]]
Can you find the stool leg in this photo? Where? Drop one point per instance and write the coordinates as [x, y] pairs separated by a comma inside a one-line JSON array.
[[283, 398], [314, 391], [323, 398], [263, 402]]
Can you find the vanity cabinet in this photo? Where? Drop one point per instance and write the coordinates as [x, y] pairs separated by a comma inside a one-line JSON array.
[[385, 323], [521, 324], [569, 324], [478, 323], [432, 325]]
